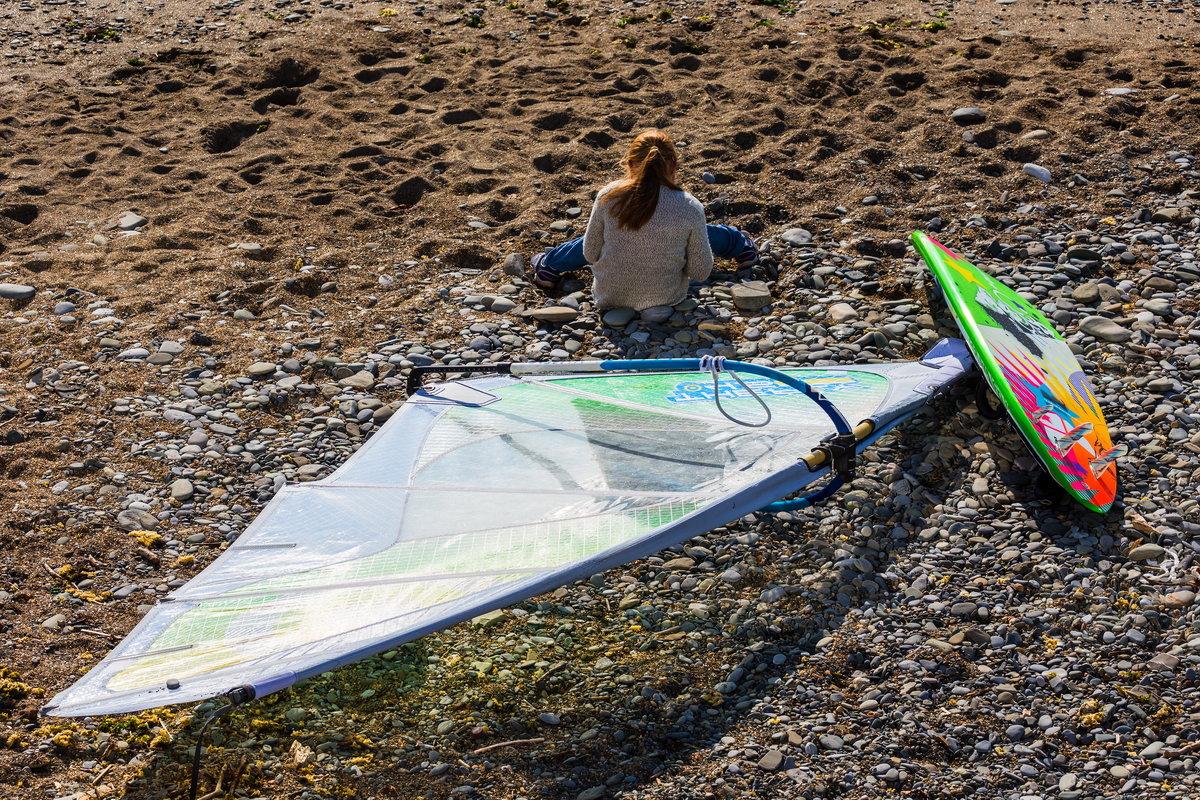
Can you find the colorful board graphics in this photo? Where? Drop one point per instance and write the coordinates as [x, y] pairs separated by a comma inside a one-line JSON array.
[[1033, 372]]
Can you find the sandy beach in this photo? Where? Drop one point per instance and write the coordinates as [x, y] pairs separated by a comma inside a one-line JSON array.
[[198, 200]]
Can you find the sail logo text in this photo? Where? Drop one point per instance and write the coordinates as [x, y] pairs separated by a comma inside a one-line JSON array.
[[696, 391]]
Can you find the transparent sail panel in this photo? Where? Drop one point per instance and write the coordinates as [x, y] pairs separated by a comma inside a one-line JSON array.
[[443, 556], [857, 394], [450, 510], [456, 532], [235, 634], [657, 432]]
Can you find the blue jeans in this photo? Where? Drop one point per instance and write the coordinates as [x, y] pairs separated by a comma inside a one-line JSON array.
[[725, 241]]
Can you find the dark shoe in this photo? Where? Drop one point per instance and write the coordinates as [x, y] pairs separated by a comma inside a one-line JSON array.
[[749, 255], [543, 277]]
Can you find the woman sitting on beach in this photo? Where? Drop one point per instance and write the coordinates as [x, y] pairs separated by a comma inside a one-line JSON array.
[[646, 237]]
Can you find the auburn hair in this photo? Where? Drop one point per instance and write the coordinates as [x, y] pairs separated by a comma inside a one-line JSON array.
[[648, 165]]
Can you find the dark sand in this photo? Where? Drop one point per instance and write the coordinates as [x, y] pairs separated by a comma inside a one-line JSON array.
[[374, 139]]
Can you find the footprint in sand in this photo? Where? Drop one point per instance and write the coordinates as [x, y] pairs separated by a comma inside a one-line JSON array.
[[279, 97], [598, 139], [289, 74], [461, 116], [362, 151], [24, 213], [553, 121], [256, 169], [223, 137], [410, 192]]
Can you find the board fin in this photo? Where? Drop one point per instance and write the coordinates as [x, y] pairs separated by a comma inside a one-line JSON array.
[[1040, 412], [1073, 437], [1107, 459]]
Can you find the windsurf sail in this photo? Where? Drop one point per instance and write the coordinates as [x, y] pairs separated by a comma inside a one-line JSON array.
[[481, 493]]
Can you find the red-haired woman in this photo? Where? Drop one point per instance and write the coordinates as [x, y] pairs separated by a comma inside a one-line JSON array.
[[646, 237]]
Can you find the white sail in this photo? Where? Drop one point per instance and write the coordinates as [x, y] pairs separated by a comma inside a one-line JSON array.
[[475, 497]]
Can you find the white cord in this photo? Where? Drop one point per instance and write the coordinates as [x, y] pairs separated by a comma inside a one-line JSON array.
[[715, 365], [1171, 571]]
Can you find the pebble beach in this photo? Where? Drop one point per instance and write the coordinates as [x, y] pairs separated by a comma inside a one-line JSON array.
[[229, 230]]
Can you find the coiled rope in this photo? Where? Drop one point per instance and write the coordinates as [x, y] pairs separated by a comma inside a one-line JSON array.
[[715, 365]]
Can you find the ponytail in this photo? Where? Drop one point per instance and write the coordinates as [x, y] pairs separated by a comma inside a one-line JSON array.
[[649, 164]]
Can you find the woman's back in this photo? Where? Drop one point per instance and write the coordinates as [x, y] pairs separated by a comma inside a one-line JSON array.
[[650, 266], [646, 237]]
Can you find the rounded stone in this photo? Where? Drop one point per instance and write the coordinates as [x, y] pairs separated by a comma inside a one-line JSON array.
[[968, 115]]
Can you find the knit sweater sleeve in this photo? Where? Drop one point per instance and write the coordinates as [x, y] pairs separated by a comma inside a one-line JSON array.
[[699, 252], [593, 238]]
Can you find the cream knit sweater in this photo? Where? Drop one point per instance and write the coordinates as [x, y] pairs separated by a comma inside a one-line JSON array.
[[651, 266]]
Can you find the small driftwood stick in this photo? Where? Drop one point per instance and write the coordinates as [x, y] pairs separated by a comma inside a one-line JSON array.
[[539, 740]]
